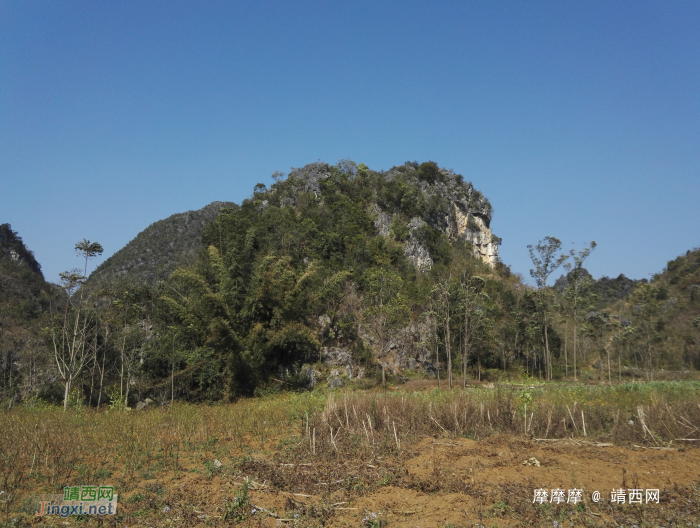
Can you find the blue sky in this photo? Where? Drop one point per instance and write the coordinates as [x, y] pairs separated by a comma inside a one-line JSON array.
[[579, 120]]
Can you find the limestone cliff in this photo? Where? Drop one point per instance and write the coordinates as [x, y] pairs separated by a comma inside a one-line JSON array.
[[458, 210], [410, 197]]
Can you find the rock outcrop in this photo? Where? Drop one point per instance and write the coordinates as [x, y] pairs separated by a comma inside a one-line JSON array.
[[441, 199]]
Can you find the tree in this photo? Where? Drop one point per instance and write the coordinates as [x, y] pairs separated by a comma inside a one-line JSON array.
[[129, 314], [473, 294], [70, 336], [546, 258], [441, 293], [597, 326], [386, 310], [646, 309], [578, 280]]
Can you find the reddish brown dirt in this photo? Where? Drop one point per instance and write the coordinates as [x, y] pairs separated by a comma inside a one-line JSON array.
[[491, 466], [437, 482]]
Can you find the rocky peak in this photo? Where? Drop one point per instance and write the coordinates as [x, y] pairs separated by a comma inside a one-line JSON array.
[[456, 209], [308, 177], [440, 199]]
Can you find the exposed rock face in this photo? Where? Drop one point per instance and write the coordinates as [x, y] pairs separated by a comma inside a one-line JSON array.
[[13, 249], [467, 216], [416, 252], [448, 204], [382, 220], [471, 227], [337, 356], [409, 348], [308, 178]]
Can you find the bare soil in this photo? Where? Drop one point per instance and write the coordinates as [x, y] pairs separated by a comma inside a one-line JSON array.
[[436, 482]]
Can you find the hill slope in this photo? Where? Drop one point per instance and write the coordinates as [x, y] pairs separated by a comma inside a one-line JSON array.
[[678, 323], [21, 279], [159, 249], [608, 290], [660, 320], [335, 262], [23, 301]]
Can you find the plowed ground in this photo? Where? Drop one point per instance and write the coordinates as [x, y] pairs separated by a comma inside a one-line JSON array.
[[436, 482]]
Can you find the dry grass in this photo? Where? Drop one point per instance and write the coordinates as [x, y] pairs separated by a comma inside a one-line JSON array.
[[311, 443], [646, 414]]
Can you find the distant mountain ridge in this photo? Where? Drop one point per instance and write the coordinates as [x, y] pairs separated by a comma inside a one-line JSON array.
[[608, 290], [159, 249]]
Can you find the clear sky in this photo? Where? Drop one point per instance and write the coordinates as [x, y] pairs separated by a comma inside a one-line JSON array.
[[579, 120]]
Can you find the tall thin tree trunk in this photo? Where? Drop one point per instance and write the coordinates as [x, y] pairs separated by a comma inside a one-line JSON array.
[[566, 355], [575, 378], [66, 393], [92, 371], [437, 354], [619, 364], [448, 344], [126, 397], [102, 377], [172, 375], [548, 358]]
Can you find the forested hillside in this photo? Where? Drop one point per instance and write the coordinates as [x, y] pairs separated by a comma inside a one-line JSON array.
[[24, 299], [334, 275], [662, 318], [159, 249], [337, 260]]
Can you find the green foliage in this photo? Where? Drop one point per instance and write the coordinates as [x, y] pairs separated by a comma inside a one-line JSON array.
[[23, 291], [237, 509], [159, 249], [430, 172], [436, 242], [299, 266], [24, 312]]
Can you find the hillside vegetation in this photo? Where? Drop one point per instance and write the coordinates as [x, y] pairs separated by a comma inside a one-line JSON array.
[[341, 260], [661, 320], [159, 249], [24, 296], [334, 275]]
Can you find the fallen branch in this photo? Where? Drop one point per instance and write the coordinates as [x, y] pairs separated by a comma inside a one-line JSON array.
[[297, 494], [572, 418], [265, 510], [440, 426], [657, 448]]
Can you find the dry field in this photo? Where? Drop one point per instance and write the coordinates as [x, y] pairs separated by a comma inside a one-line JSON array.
[[398, 458]]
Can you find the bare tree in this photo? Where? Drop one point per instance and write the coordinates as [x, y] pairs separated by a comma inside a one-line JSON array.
[[546, 258], [70, 336], [471, 286], [577, 282], [442, 298]]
